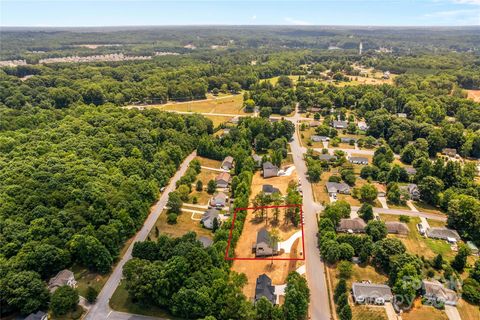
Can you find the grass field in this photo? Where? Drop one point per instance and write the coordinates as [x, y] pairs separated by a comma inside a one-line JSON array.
[[420, 311], [218, 120], [184, 224], [306, 139], [360, 312], [468, 311], [120, 301], [208, 162], [424, 207], [226, 104], [202, 196]]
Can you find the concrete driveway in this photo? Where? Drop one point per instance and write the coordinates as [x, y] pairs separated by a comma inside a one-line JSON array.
[[383, 202], [452, 313], [287, 244]]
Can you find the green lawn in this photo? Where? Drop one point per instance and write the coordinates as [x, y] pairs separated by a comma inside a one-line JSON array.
[[73, 315], [368, 313]]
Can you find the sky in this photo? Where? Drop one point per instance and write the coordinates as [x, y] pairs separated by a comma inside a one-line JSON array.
[[75, 13]]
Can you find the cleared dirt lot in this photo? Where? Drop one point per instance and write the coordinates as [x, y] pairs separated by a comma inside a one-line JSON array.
[[474, 95]]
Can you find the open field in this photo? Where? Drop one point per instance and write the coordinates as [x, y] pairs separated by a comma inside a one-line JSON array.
[[319, 189], [184, 224], [202, 196], [424, 207], [417, 244], [420, 311], [274, 80], [208, 162], [306, 138], [230, 104], [361, 312], [474, 95], [468, 311], [217, 120]]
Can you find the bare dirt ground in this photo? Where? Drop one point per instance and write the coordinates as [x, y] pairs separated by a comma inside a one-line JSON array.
[[474, 95]]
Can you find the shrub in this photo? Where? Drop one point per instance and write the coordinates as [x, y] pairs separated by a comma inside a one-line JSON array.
[[172, 218], [92, 294], [403, 218], [345, 269], [64, 299]]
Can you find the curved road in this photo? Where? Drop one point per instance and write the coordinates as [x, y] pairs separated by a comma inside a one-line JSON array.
[[101, 309]]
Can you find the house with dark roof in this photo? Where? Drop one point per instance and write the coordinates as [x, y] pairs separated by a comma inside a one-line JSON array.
[[219, 200], [339, 124], [39, 315], [358, 160], [371, 293], [206, 242], [269, 189], [411, 171], [337, 187], [449, 152], [327, 157], [223, 180], [348, 140], [316, 138], [435, 293], [397, 227], [269, 170], [63, 278], [355, 225], [264, 288], [412, 191], [264, 246], [227, 163], [443, 233]]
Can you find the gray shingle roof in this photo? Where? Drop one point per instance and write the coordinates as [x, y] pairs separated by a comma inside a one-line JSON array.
[[442, 233], [355, 224], [265, 289], [397, 227], [371, 290], [334, 187]]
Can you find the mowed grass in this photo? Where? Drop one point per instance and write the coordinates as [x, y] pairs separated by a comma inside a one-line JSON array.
[[360, 312], [227, 105], [120, 301], [71, 315], [208, 162], [468, 311], [424, 207], [420, 311], [218, 120], [417, 244], [184, 224]]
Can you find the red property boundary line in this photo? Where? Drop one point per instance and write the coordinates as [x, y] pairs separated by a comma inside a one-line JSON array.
[[266, 258]]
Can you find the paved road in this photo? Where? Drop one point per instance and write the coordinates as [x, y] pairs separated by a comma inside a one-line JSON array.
[[101, 309], [319, 308]]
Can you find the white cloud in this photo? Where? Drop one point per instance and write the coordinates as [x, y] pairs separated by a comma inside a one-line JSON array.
[[297, 22], [253, 18], [456, 17], [474, 2]]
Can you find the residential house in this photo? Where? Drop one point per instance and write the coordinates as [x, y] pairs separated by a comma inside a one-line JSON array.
[[348, 140], [362, 125], [225, 132], [269, 170], [327, 157], [401, 115], [235, 120], [443, 233], [381, 190], [223, 180], [219, 200], [355, 225], [227, 163], [371, 293], [315, 109], [450, 152], [412, 191], [63, 278], [435, 293], [337, 124], [208, 218], [337, 187], [397, 227], [358, 160], [257, 160], [264, 288], [386, 75], [264, 246], [314, 124], [269, 189], [39, 315], [316, 138], [411, 171]]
